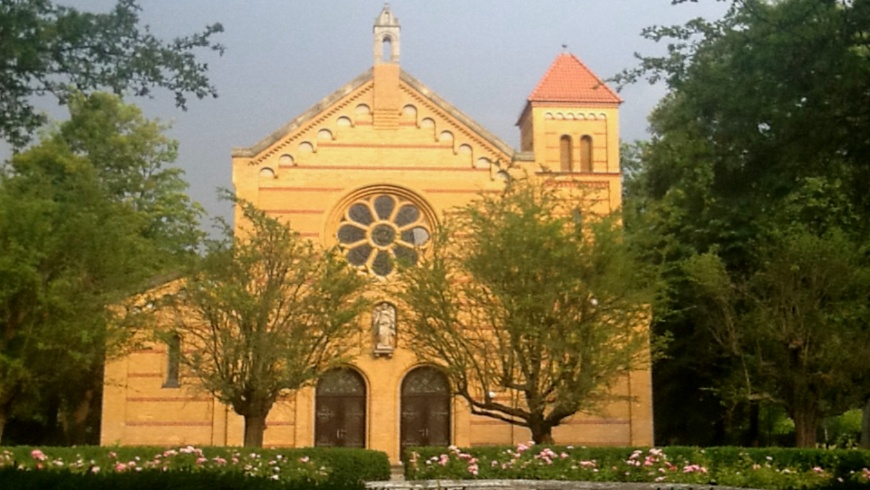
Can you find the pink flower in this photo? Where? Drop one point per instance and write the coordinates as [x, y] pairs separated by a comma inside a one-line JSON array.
[[201, 460], [37, 455], [112, 454], [95, 469], [120, 467]]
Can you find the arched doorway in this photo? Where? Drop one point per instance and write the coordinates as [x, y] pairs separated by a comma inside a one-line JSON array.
[[425, 409], [340, 409]]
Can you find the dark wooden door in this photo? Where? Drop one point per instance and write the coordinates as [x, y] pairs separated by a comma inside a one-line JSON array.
[[425, 409], [340, 410]]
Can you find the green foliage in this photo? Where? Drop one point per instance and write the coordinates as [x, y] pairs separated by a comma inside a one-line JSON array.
[[57, 50], [223, 467], [531, 315], [843, 430], [87, 217], [773, 468], [263, 312], [759, 146]]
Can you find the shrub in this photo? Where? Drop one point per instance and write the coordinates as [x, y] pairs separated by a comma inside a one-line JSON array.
[[332, 468], [774, 468]]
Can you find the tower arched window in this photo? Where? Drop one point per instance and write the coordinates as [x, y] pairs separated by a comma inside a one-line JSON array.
[[566, 154], [387, 49], [586, 153]]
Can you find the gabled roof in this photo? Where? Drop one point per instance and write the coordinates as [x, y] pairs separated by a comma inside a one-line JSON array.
[[569, 81], [366, 78]]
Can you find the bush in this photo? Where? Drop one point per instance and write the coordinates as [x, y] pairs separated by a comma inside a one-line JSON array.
[[145, 480], [774, 468], [308, 467]]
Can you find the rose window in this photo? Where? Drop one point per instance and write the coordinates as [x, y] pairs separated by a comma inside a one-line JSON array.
[[379, 231]]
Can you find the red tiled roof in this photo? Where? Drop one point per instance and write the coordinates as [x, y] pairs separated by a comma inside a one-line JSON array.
[[569, 80]]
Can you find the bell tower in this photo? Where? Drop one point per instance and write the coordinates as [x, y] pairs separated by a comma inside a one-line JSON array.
[[386, 70], [386, 37]]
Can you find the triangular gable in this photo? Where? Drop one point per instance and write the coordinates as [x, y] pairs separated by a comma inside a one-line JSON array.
[[471, 128], [354, 89], [306, 117]]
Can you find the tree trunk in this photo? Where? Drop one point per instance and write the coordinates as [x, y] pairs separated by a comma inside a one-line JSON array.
[[806, 425], [752, 436], [2, 424], [254, 428], [865, 425], [75, 422], [541, 433]]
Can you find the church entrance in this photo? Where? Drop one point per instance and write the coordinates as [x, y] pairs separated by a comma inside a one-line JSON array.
[[425, 409], [340, 409]]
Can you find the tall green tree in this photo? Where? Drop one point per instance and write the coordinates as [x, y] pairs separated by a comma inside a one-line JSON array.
[[87, 217], [532, 315], [765, 126], [265, 312], [48, 49], [796, 328]]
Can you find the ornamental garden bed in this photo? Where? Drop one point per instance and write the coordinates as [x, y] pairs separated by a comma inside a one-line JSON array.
[[524, 467], [763, 468]]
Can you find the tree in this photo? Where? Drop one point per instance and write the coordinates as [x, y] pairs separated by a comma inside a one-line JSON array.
[[520, 302], [764, 127], [265, 312], [86, 218], [797, 326], [46, 49]]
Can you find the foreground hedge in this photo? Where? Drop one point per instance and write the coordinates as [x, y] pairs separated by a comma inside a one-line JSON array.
[[144, 480], [328, 468], [773, 468]]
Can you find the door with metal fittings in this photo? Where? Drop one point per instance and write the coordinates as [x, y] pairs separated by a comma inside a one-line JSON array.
[[425, 409], [340, 410]]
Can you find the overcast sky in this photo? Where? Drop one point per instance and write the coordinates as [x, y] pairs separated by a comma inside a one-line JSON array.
[[483, 56]]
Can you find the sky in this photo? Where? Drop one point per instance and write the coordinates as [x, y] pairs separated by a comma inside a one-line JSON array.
[[482, 56]]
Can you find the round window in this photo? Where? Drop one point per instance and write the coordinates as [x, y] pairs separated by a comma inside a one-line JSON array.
[[381, 230]]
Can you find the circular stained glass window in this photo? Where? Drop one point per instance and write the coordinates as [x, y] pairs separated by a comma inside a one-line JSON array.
[[379, 231]]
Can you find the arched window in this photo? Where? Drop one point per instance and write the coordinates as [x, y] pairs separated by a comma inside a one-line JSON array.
[[586, 153], [387, 49], [565, 154]]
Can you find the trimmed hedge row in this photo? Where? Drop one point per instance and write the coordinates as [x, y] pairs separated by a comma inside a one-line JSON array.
[[146, 480], [773, 468], [326, 468]]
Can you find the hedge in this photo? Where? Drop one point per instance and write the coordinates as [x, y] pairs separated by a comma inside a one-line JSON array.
[[328, 468], [768, 468]]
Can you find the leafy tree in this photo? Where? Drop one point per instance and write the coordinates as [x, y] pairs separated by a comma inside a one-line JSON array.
[[797, 327], [263, 313], [47, 49], [86, 218], [518, 298], [764, 127]]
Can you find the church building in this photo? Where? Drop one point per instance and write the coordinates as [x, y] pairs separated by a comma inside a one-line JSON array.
[[372, 168]]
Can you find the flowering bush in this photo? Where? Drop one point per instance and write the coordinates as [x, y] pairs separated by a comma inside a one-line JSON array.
[[716, 466], [280, 465]]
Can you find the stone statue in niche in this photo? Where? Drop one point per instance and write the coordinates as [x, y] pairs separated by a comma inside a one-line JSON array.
[[384, 327]]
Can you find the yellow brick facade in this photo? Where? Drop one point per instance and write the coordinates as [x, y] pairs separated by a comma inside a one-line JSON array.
[[383, 133]]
